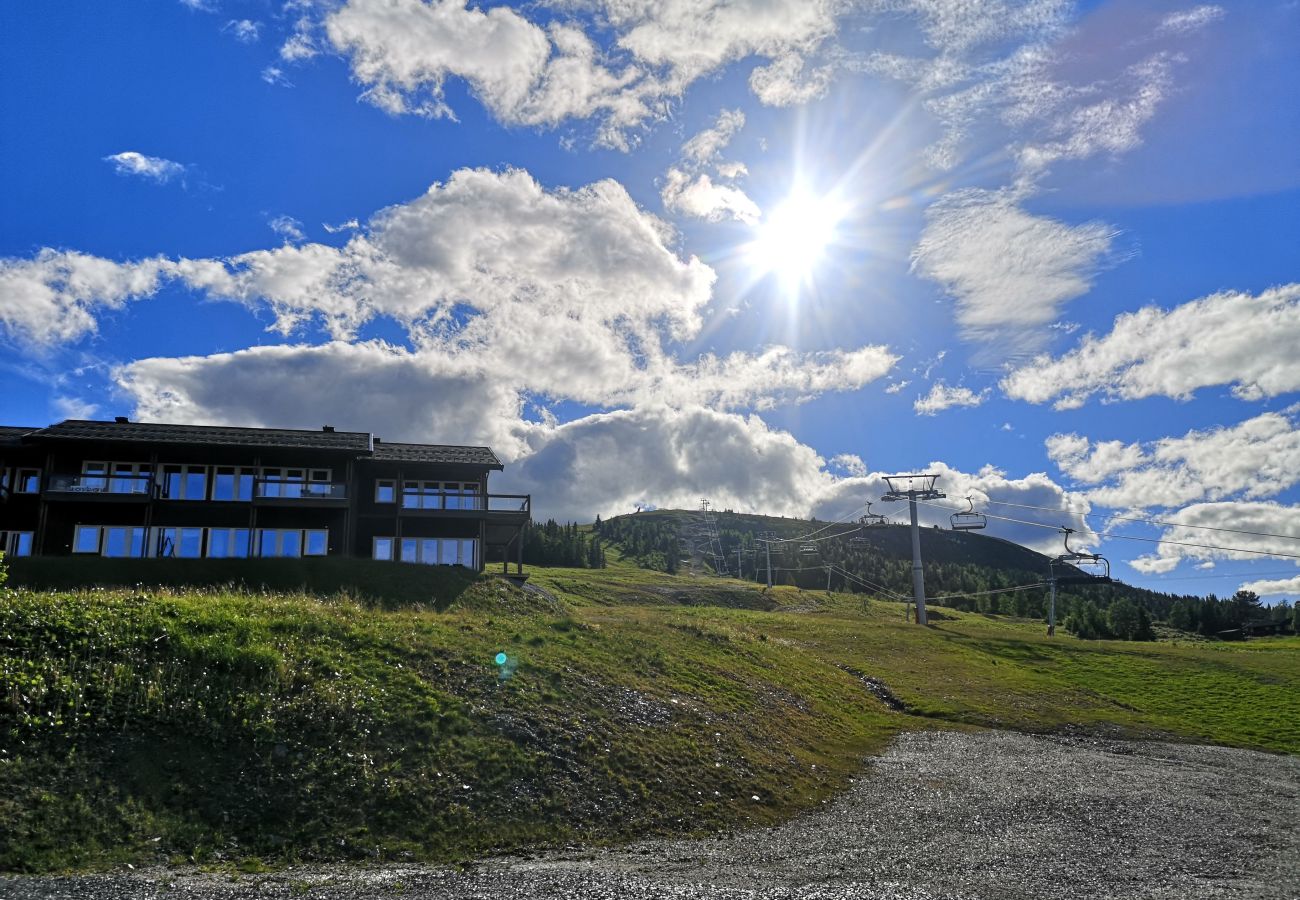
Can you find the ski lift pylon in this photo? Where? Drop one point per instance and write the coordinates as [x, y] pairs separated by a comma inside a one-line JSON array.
[[968, 519]]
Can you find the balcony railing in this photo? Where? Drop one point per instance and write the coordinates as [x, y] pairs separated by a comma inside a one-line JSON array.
[[512, 503], [452, 501], [138, 485], [307, 491]]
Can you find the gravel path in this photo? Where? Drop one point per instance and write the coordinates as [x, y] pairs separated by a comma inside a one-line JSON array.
[[990, 815]]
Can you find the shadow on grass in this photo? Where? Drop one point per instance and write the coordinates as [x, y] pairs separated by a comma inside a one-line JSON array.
[[386, 585]]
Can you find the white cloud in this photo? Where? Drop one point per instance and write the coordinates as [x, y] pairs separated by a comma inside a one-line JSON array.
[[610, 463], [845, 498], [1263, 518], [1226, 338], [788, 82], [943, 397], [1257, 458], [390, 391], [404, 51], [349, 225], [275, 75], [57, 296], [287, 227], [701, 198], [151, 168], [1193, 19], [245, 31], [1010, 272], [705, 146], [199, 5], [569, 294], [850, 463], [896, 386], [1274, 588]]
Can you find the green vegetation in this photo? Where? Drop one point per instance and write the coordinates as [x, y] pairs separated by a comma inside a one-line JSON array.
[[151, 724]]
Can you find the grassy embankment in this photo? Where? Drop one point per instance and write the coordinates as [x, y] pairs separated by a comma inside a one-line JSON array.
[[142, 725]]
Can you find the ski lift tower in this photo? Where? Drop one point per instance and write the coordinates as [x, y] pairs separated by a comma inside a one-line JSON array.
[[913, 488]]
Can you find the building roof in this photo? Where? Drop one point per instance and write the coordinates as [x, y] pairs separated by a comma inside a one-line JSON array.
[[154, 433], [10, 434], [358, 442], [437, 453]]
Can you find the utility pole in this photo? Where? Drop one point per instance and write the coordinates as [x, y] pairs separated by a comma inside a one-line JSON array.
[[913, 488], [740, 572], [1051, 606], [828, 581], [766, 538]]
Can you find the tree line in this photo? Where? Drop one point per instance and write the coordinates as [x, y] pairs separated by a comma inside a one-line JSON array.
[[554, 544]]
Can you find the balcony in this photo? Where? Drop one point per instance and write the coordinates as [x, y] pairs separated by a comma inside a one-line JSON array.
[[275, 492], [102, 488], [503, 508]]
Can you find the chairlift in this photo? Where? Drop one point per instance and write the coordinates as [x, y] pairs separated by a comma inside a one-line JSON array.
[[968, 519], [808, 550], [870, 520], [1072, 567]]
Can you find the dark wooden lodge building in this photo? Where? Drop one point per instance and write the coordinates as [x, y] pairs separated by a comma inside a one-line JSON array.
[[131, 489]]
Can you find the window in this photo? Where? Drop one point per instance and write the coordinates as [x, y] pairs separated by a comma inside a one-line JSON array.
[[432, 551], [27, 481], [93, 477], [123, 540], [184, 482], [129, 478], [231, 484], [421, 495], [85, 539], [385, 491], [292, 542], [16, 543], [180, 543], [228, 543], [383, 548]]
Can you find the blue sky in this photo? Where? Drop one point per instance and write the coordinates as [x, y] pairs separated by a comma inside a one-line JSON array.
[[761, 252]]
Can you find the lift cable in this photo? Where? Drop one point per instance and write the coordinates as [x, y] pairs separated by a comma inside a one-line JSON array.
[[1149, 521], [1130, 537]]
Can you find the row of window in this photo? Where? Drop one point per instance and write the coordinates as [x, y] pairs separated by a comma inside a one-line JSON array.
[[430, 494], [16, 543], [195, 542], [429, 551], [199, 482]]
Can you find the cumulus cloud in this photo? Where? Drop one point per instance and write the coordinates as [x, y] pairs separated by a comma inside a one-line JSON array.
[[404, 51], [1274, 588], [372, 386], [942, 397], [701, 198], [57, 296], [788, 81], [150, 168], [1010, 272], [1261, 518], [1257, 458], [610, 463], [287, 227], [1230, 338], [709, 143], [569, 294], [846, 497]]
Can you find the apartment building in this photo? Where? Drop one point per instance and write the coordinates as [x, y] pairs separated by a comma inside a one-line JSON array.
[[132, 489]]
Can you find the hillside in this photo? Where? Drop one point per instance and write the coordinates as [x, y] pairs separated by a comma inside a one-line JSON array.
[[167, 725], [956, 563]]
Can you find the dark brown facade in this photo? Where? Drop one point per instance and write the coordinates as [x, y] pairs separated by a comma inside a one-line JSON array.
[[131, 489]]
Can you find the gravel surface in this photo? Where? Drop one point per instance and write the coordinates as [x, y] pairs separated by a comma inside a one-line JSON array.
[[937, 816]]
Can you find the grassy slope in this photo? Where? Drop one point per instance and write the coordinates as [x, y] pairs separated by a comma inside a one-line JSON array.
[[169, 725]]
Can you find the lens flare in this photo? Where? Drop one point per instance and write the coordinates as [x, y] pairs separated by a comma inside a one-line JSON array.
[[501, 659], [794, 238]]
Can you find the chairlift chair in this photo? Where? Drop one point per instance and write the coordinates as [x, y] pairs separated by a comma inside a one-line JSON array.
[[808, 550], [968, 519], [1072, 567]]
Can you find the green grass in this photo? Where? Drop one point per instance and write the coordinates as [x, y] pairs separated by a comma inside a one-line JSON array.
[[170, 724]]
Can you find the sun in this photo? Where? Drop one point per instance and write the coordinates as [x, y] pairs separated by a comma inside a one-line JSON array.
[[794, 238]]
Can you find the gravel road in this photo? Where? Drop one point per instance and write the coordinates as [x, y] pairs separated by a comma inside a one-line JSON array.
[[937, 816]]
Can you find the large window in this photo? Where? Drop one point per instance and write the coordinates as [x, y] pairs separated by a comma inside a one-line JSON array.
[[228, 543], [431, 551], [27, 481], [16, 543], [292, 542], [180, 543], [385, 491], [184, 482], [295, 483], [85, 539], [123, 540], [230, 483], [98, 476], [439, 495]]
